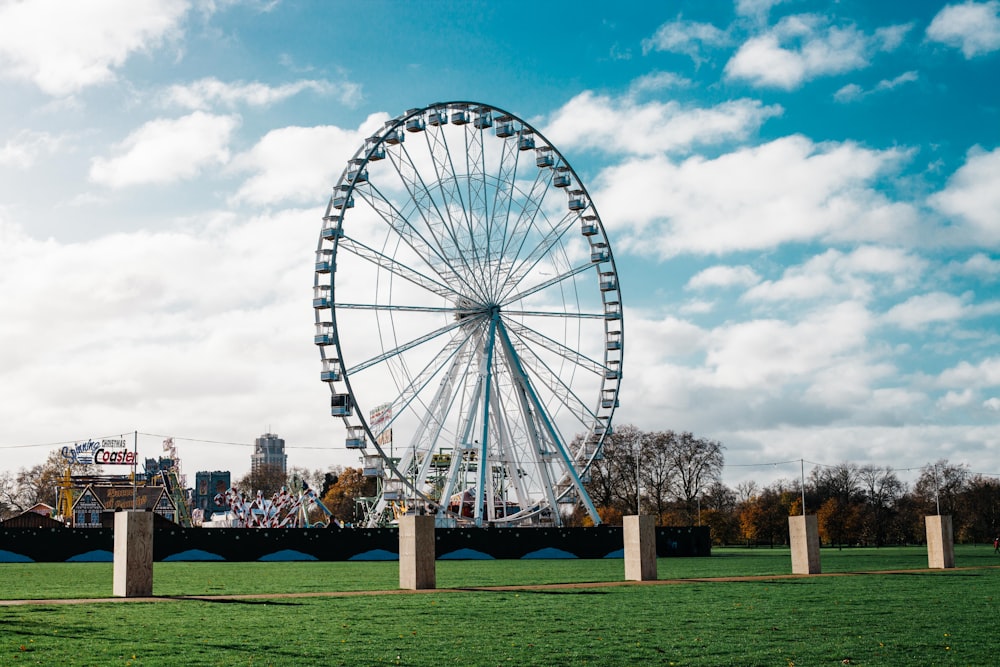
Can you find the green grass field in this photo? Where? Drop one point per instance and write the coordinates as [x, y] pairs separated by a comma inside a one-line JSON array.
[[910, 618]]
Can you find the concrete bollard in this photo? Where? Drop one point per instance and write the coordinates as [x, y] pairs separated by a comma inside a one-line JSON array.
[[803, 532], [639, 533], [133, 557], [940, 543], [416, 552]]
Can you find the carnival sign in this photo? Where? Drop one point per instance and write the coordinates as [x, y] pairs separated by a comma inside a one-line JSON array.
[[107, 451]]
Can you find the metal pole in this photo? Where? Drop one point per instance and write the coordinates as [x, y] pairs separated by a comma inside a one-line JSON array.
[[638, 498], [937, 491], [802, 465], [135, 459]]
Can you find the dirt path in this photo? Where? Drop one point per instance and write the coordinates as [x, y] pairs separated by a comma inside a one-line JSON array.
[[526, 587]]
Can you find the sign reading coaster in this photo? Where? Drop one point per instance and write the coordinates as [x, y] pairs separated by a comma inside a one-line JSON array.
[[107, 451]]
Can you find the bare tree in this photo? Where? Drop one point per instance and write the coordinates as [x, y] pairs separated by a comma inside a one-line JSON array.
[[695, 464]]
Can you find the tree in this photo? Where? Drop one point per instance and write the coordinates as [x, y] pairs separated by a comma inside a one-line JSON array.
[[695, 464], [342, 496], [939, 486], [882, 489], [268, 479]]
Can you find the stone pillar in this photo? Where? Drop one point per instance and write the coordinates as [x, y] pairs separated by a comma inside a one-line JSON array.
[[416, 552], [940, 544], [133, 558], [804, 534], [639, 533]]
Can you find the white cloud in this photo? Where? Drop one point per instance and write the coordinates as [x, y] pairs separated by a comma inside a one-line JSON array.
[[64, 47], [723, 276], [972, 196], [300, 163], [977, 376], [655, 81], [992, 404], [596, 121], [835, 275], [973, 27], [687, 37], [206, 93], [803, 47], [956, 399], [758, 9], [979, 265], [26, 147], [919, 311], [853, 91], [217, 317], [770, 353], [167, 150], [787, 190]]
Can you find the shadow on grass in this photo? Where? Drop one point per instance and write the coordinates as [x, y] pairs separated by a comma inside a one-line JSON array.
[[270, 602], [531, 591]]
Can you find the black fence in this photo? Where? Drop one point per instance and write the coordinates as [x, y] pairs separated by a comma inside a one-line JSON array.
[[174, 543]]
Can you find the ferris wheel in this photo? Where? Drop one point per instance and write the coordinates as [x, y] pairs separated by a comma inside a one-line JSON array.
[[469, 318]]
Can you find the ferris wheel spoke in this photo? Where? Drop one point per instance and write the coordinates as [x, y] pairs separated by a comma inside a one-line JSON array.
[[527, 219], [562, 452], [541, 251], [395, 352], [557, 387], [445, 241], [555, 313], [403, 271], [503, 201], [405, 230], [567, 353], [547, 284], [391, 308], [448, 356]]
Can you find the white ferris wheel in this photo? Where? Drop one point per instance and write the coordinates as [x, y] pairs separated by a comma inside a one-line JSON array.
[[469, 318]]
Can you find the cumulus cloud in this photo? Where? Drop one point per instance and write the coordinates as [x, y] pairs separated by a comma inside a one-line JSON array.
[[972, 197], [299, 163], [787, 190], [981, 375], [723, 276], [686, 37], [219, 315], [853, 92], [758, 9], [27, 147], [595, 121], [919, 311], [205, 94], [835, 275], [803, 47], [973, 27], [167, 150], [64, 47], [655, 81], [768, 353]]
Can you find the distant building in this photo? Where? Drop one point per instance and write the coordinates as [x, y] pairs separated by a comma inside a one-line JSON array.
[[269, 453], [207, 486]]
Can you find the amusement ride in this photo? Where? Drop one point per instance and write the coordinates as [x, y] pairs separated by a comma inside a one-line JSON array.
[[466, 295]]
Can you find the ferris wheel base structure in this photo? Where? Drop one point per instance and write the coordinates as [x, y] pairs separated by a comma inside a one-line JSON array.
[[469, 319]]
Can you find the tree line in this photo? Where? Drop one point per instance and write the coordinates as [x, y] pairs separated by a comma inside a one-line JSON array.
[[677, 478]]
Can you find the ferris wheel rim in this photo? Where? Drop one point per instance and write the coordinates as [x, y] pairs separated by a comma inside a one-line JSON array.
[[348, 184]]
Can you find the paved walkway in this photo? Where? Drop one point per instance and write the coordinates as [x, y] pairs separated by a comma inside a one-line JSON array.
[[525, 587]]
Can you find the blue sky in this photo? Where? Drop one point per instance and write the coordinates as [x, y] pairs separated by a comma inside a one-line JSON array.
[[803, 199]]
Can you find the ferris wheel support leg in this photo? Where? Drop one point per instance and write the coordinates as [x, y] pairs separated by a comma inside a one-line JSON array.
[[570, 468], [484, 442]]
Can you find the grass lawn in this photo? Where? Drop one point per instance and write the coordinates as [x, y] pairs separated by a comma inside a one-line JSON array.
[[912, 618]]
